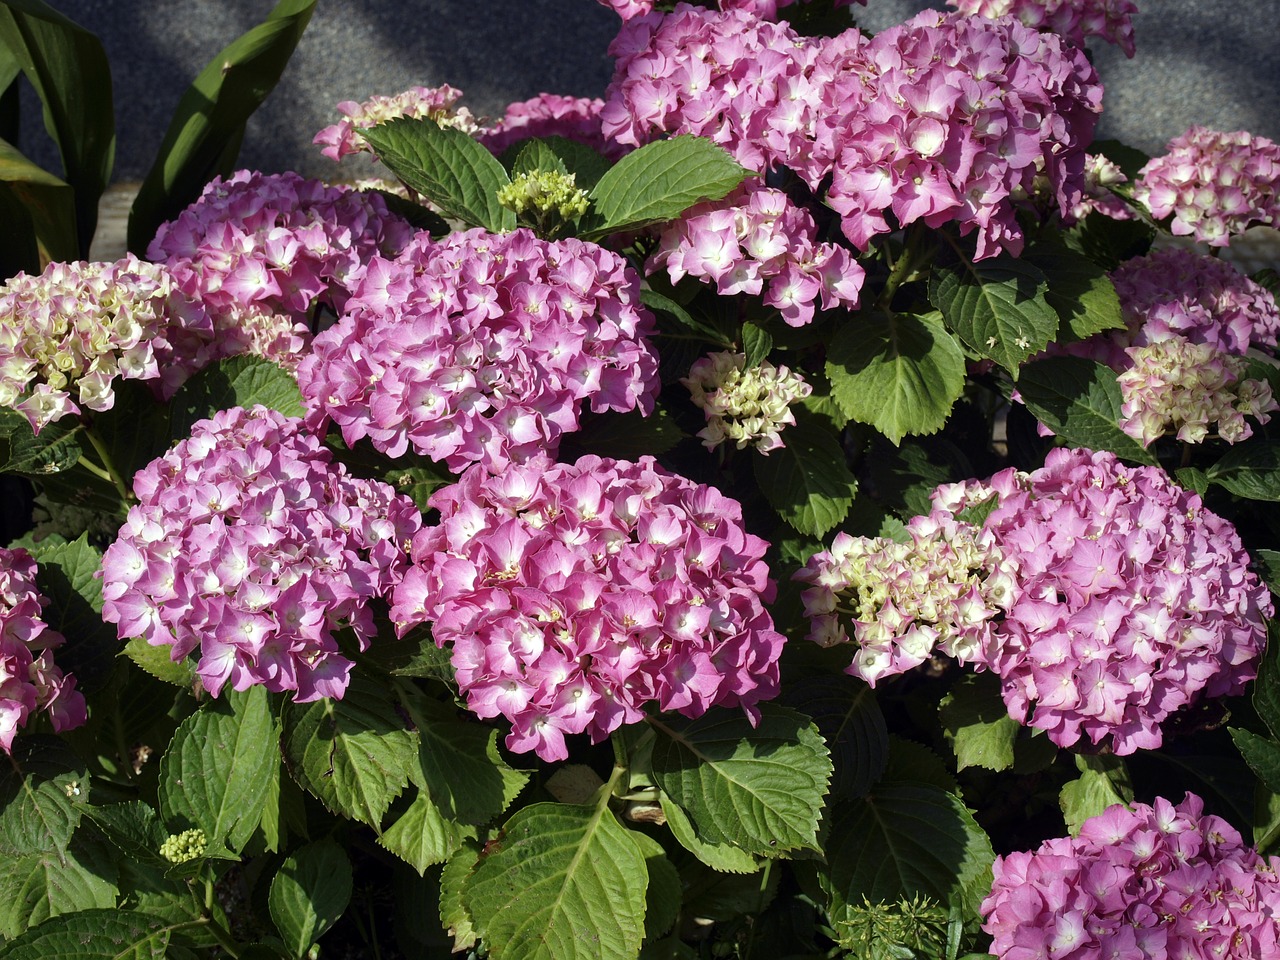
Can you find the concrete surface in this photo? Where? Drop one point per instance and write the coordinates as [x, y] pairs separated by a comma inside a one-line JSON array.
[[1199, 61]]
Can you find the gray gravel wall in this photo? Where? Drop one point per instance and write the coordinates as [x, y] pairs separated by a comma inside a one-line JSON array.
[[1210, 62]]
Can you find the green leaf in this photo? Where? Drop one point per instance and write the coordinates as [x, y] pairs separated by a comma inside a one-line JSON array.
[[37, 886], [1103, 782], [66, 575], [40, 215], [721, 857], [216, 772], [1250, 470], [1079, 400], [309, 893], [1261, 753], [760, 788], [849, 718], [1109, 242], [446, 166], [976, 723], [622, 436], [663, 896], [1266, 689], [423, 835], [235, 382], [43, 791], [900, 374], [756, 344], [54, 449], [68, 68], [1079, 291], [906, 839], [134, 828], [659, 182], [537, 156], [158, 662], [453, 912], [586, 165], [204, 135], [807, 480], [997, 307], [563, 883], [353, 754], [665, 305], [1193, 479], [102, 934]]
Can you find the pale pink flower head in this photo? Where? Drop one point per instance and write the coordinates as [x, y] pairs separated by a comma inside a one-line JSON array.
[[435, 103], [745, 407], [1076, 20], [30, 681], [251, 546], [1139, 882], [483, 348], [1214, 185], [551, 115], [570, 596]]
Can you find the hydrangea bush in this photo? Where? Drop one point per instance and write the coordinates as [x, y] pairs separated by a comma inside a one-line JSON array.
[[813, 500]]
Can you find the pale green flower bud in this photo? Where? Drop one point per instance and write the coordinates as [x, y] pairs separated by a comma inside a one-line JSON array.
[[181, 847]]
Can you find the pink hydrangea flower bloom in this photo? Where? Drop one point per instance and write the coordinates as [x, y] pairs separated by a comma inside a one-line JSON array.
[[67, 334], [250, 545], [747, 407], [1076, 20], [1140, 882], [29, 679], [764, 9], [1131, 600], [572, 595], [263, 251], [482, 348], [436, 103], [551, 115]]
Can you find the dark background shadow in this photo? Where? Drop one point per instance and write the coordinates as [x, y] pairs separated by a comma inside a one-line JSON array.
[[1199, 61]]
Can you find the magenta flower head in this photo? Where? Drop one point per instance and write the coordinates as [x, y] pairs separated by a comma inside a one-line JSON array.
[[572, 595], [250, 544], [1075, 20], [67, 334], [482, 348], [1214, 185], [261, 251], [29, 679], [1140, 882], [1131, 601]]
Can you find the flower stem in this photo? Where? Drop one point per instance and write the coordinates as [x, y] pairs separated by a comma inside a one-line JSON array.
[[108, 470]]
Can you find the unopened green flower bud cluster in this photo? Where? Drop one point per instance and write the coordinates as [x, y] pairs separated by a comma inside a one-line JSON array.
[[181, 847], [544, 192], [744, 406]]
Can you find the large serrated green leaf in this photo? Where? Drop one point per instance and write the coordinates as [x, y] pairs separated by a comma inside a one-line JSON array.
[[157, 661], [659, 182], [900, 374], [663, 304], [54, 449], [446, 166], [234, 382], [216, 772], [1079, 291], [1103, 782], [997, 307], [849, 718], [453, 911], [1250, 470], [44, 788], [40, 215], [1266, 689], [309, 893], [423, 835], [662, 899], [1261, 753], [1079, 400], [38, 886], [536, 156], [976, 723], [204, 135], [67, 575], [807, 480], [68, 68], [564, 883], [759, 788], [353, 754], [906, 839], [722, 857], [134, 828], [102, 934]]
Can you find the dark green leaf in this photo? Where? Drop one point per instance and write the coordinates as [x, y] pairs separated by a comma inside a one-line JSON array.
[[849, 718], [1108, 242], [37, 886], [1262, 754], [1103, 782], [807, 480], [537, 156], [102, 934], [665, 305], [722, 857], [1250, 470], [997, 307], [44, 788], [756, 344], [662, 905], [66, 575], [1079, 291], [39, 213], [659, 182], [203, 139], [453, 911], [622, 436], [54, 449], [309, 893], [976, 723], [900, 374], [582, 161], [159, 663], [1266, 689], [235, 382], [134, 828], [446, 166], [1079, 400]]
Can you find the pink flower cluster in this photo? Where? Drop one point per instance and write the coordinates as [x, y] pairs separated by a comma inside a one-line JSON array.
[[765, 9], [1140, 883], [436, 103], [945, 118], [260, 251], [757, 240], [939, 589], [481, 348], [572, 595], [76, 327], [1213, 184], [251, 545], [1131, 600], [1076, 20], [551, 115], [29, 679]]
